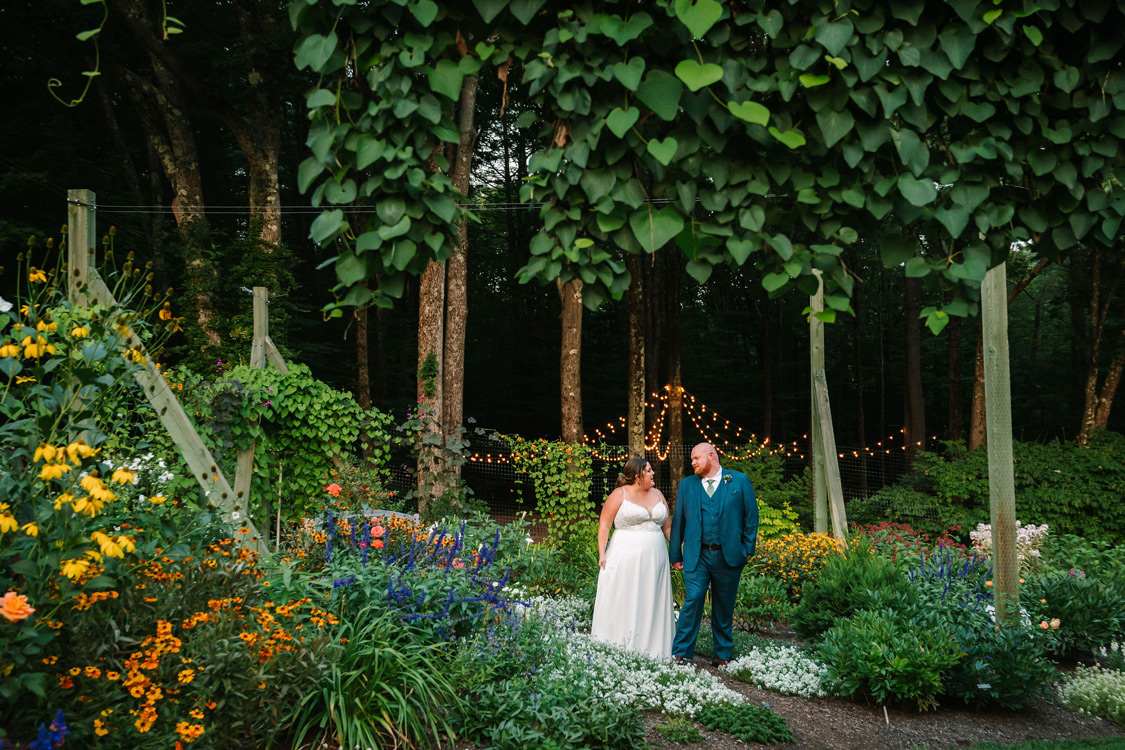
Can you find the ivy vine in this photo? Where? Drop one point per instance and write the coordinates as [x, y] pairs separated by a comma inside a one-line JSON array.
[[561, 476], [778, 134]]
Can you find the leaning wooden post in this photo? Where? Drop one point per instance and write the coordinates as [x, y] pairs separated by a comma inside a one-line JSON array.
[[81, 241], [822, 418], [998, 411], [816, 446], [86, 287]]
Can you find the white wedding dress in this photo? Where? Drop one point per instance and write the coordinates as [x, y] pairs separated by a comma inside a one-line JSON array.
[[634, 604]]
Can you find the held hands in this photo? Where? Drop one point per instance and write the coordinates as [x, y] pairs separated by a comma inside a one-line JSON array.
[[677, 566]]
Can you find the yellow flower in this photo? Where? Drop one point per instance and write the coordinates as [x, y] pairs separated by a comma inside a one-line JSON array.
[[53, 471], [21, 379], [79, 448], [45, 326], [157, 499], [123, 476], [88, 505], [99, 728], [9, 350], [74, 569], [80, 332], [30, 529], [36, 274], [8, 523], [45, 452]]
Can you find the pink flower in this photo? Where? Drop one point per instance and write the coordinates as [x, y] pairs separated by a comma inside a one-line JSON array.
[[1055, 623], [377, 531], [333, 489], [458, 564]]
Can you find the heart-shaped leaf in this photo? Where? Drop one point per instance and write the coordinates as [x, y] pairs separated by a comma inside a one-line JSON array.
[[654, 229], [698, 16], [525, 10], [624, 31], [739, 249], [425, 11], [350, 269], [663, 151], [954, 219], [661, 92], [808, 80], [315, 50], [445, 79], [1067, 78], [790, 138], [326, 226], [629, 74], [693, 74], [752, 112], [771, 282], [489, 9], [834, 125], [917, 192], [699, 270], [620, 120]]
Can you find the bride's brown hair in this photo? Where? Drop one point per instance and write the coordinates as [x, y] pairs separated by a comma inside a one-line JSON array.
[[634, 468]]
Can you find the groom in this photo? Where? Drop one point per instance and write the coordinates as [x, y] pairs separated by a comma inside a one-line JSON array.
[[714, 530]]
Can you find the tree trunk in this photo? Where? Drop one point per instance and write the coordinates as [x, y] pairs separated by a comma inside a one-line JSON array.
[[675, 385], [1077, 283], [363, 373], [1095, 401], [570, 360], [767, 347], [431, 336], [635, 347], [978, 427], [956, 410], [915, 399], [456, 300], [1109, 390]]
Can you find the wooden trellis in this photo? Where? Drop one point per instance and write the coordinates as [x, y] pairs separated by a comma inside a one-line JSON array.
[[85, 287]]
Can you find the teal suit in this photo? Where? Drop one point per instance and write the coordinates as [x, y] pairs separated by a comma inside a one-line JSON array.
[[717, 570]]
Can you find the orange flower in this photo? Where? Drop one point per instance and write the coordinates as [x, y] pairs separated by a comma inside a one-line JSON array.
[[333, 489], [1044, 625], [14, 607]]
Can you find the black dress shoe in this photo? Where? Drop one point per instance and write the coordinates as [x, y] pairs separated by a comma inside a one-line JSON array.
[[719, 662], [680, 660]]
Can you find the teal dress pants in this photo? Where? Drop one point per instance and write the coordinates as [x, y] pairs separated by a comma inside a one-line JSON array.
[[712, 572]]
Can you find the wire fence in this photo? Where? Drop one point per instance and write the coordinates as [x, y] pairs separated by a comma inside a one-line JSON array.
[[507, 492]]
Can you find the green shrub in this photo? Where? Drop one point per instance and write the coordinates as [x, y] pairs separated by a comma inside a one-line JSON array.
[[679, 729], [1005, 666], [1101, 559], [904, 503], [747, 723], [888, 659], [858, 579], [383, 688], [1093, 691], [762, 600], [1091, 613]]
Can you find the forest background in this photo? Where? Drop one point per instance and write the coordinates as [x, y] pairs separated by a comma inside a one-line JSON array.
[[211, 124]]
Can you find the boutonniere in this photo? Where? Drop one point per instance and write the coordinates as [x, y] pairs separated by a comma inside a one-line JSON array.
[[727, 478]]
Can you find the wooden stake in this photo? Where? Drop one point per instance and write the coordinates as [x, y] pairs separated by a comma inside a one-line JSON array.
[[816, 446]]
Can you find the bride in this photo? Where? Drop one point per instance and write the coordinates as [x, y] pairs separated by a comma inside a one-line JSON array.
[[634, 603]]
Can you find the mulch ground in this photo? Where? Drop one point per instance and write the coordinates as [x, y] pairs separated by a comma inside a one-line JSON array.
[[842, 724]]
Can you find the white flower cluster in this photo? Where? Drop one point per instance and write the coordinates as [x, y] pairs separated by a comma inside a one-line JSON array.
[[1096, 692], [572, 612], [637, 681], [785, 669], [1114, 655], [1029, 539]]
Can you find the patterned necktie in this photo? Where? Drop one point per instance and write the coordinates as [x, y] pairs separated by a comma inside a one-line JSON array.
[[710, 488]]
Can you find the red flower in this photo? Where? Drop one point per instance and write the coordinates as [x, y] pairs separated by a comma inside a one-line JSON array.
[[377, 544]]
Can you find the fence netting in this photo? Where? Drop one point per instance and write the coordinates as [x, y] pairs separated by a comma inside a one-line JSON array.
[[507, 493]]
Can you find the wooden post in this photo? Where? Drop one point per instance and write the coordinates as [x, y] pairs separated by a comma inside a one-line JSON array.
[[86, 286], [261, 350], [81, 241], [816, 446], [822, 418], [998, 415]]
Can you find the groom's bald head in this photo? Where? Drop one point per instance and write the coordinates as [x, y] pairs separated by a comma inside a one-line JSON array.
[[704, 460]]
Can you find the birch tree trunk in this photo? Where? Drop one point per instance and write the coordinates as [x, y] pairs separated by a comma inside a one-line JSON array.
[[570, 360], [635, 348]]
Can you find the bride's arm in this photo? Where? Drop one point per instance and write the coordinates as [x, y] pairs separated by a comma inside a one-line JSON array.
[[605, 522], [667, 527]]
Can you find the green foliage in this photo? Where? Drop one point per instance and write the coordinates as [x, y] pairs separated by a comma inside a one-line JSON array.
[[777, 496], [725, 109], [561, 475], [747, 723], [889, 659], [902, 503], [848, 583], [1091, 613], [762, 600], [1004, 666], [382, 688], [1094, 743], [744, 640], [1104, 560], [574, 565], [679, 729], [1093, 691], [428, 372], [297, 423]]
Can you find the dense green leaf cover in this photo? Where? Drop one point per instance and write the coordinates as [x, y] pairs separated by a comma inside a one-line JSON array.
[[783, 132]]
